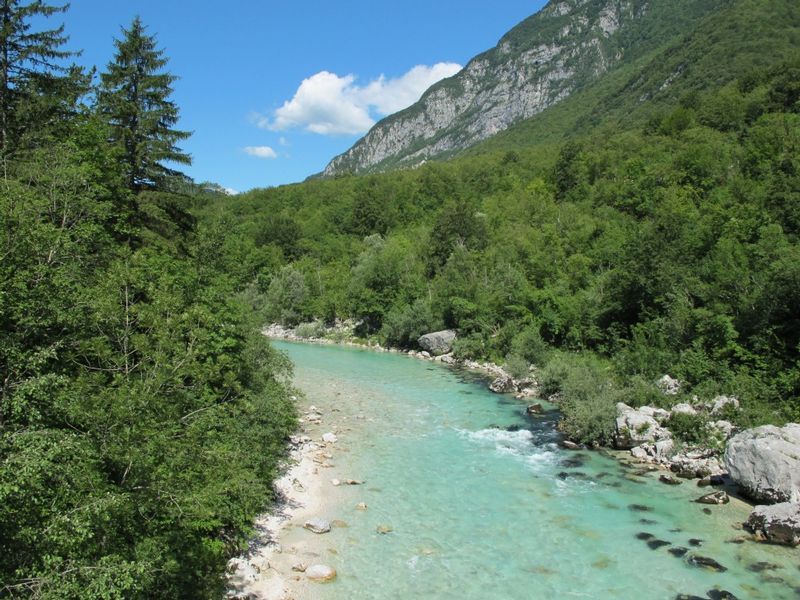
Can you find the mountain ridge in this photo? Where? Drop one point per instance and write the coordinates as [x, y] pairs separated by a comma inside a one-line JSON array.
[[543, 60]]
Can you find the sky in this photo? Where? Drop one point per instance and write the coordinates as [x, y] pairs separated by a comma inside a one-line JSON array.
[[271, 91]]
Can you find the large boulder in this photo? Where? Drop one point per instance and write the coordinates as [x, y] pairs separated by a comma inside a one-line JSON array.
[[502, 385], [438, 342], [696, 464], [765, 462], [778, 523], [634, 428]]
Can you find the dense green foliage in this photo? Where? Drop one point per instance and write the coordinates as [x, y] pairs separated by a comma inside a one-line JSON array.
[[134, 99], [142, 415], [667, 247]]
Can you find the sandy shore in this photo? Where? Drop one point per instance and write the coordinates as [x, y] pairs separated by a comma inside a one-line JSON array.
[[274, 567]]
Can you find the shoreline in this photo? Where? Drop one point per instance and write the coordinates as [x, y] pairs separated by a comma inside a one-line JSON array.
[[312, 487], [273, 569]]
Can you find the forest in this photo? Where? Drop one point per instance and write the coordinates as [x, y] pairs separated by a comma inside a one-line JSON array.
[[142, 416], [606, 261]]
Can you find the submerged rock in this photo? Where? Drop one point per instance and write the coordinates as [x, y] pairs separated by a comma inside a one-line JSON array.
[[779, 523], [678, 551], [438, 342], [384, 529], [656, 544], [718, 497], [329, 438], [765, 462], [534, 409], [669, 480], [720, 595], [320, 573], [317, 525], [705, 562]]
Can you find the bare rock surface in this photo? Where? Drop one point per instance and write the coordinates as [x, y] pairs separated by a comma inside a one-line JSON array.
[[765, 462], [778, 523]]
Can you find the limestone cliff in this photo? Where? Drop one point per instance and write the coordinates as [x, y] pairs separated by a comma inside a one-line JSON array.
[[565, 46]]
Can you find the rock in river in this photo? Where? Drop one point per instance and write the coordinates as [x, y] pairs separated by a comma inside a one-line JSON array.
[[765, 462], [779, 523], [321, 573], [317, 525], [718, 497]]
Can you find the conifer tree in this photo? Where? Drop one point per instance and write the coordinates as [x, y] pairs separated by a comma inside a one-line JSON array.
[[134, 98], [24, 57]]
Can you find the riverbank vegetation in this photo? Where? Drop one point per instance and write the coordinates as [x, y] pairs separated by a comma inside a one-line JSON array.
[[607, 261], [142, 415]]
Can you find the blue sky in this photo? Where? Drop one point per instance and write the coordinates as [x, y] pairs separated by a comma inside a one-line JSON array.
[[273, 90]]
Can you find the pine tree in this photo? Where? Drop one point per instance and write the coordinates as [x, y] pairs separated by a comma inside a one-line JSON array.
[[134, 98], [25, 56]]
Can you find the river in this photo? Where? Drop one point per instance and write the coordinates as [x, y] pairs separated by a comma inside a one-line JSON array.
[[482, 503]]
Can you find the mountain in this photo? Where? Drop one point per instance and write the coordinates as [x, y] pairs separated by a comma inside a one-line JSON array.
[[545, 59]]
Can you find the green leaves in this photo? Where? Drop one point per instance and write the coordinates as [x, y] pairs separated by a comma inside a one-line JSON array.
[[134, 98]]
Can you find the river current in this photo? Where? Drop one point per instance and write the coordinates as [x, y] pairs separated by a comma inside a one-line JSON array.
[[480, 502]]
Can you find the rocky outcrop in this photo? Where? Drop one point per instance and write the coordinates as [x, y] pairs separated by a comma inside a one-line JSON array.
[[543, 60], [778, 523], [765, 462], [438, 342], [696, 464], [668, 385], [634, 427]]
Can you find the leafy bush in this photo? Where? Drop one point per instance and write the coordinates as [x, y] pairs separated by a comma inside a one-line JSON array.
[[689, 429], [403, 325], [588, 396], [312, 329], [517, 366]]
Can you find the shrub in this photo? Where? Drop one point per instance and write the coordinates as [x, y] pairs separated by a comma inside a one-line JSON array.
[[588, 396], [403, 325], [689, 429], [517, 366], [314, 329]]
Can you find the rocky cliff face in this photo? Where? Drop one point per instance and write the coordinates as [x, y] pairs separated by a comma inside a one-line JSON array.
[[568, 44]]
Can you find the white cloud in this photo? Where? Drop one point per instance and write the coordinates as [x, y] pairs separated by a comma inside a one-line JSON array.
[[283, 141], [328, 104], [261, 151]]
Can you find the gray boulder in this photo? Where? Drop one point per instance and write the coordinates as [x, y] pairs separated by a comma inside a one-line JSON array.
[[634, 428], [720, 403], [502, 385], [683, 409], [668, 385], [438, 342], [696, 464], [317, 525], [765, 462], [778, 523]]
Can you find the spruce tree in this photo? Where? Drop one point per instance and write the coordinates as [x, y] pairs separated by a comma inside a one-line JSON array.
[[25, 57], [134, 98]]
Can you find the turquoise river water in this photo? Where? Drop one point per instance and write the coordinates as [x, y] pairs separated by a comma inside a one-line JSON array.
[[484, 504]]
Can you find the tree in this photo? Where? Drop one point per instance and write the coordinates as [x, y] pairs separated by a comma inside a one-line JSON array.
[[25, 57], [134, 98]]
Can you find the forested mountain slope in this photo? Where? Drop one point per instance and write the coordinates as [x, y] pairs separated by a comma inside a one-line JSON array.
[[669, 247], [576, 65]]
